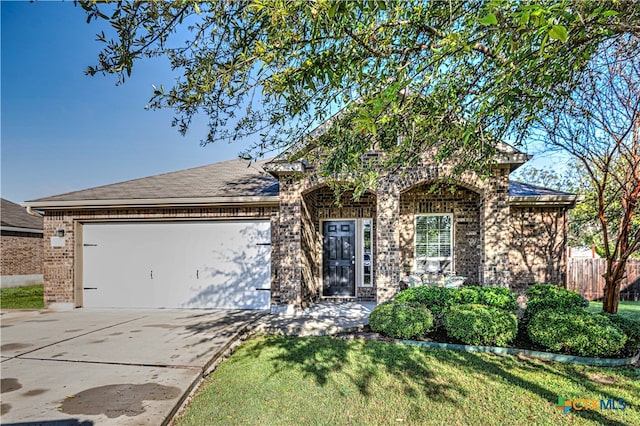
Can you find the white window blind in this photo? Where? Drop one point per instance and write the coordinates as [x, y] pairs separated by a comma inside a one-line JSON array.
[[433, 243]]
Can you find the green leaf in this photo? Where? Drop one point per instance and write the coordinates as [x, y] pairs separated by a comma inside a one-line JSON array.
[[333, 9], [608, 13], [558, 32], [490, 19], [524, 18]]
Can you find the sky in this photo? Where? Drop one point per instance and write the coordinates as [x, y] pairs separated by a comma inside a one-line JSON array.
[[62, 130]]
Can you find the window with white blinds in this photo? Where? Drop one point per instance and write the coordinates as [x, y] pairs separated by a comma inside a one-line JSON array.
[[433, 243]]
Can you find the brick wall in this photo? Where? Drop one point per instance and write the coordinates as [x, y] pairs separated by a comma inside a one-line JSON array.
[[463, 204], [60, 262], [311, 246], [538, 244], [20, 253]]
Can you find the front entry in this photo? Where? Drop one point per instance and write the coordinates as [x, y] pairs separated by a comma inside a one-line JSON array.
[[339, 258]]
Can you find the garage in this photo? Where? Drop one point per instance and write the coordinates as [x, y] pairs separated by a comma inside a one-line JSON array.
[[198, 264]]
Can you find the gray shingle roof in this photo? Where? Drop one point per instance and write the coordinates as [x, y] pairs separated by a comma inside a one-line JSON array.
[[16, 216], [233, 178], [520, 189]]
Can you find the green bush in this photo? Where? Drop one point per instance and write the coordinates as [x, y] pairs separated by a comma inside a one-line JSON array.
[[400, 320], [548, 296], [576, 331], [628, 326], [497, 297], [436, 299], [480, 325]]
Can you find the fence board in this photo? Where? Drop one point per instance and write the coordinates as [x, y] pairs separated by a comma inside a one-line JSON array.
[[586, 277]]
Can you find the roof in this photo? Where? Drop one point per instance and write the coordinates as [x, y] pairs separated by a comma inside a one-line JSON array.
[[228, 182], [527, 190], [526, 194], [16, 217], [233, 182]]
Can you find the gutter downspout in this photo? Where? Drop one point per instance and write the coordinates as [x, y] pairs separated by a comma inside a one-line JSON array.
[[33, 213]]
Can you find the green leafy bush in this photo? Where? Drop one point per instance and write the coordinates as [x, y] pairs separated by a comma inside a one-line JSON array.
[[480, 325], [436, 299], [497, 297], [548, 296], [628, 326], [400, 320], [576, 331]]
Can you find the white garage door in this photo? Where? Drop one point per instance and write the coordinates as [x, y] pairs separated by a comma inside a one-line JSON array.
[[177, 265]]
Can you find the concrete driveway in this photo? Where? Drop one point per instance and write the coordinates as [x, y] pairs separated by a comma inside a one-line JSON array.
[[109, 366]]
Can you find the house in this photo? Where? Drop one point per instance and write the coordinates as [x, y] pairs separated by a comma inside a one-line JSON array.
[[20, 246], [269, 234]]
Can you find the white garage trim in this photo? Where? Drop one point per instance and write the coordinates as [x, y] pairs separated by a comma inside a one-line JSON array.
[[190, 264]]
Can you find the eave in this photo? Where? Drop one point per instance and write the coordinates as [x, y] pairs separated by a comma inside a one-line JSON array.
[[272, 200], [568, 201]]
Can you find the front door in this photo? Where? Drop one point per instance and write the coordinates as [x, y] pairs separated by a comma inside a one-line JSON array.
[[339, 258]]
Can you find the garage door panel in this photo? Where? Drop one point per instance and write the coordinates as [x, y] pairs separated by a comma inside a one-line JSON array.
[[183, 265]]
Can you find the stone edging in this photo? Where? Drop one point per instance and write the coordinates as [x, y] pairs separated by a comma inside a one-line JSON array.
[[546, 356]]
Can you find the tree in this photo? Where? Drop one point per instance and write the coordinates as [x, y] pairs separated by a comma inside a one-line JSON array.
[[599, 125], [408, 77]]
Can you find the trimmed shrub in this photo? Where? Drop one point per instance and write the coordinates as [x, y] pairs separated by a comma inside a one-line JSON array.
[[480, 325], [436, 299], [628, 326], [576, 332], [548, 296], [400, 320], [497, 297]]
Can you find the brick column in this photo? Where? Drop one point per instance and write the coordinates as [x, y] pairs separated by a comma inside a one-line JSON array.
[[387, 247], [290, 241], [58, 262], [495, 231]]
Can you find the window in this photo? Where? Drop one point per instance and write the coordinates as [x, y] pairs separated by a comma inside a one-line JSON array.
[[433, 243], [366, 251]]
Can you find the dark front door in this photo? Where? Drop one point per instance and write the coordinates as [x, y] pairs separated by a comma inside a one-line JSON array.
[[338, 258]]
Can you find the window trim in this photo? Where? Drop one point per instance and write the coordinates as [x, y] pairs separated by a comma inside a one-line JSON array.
[[360, 252], [450, 268]]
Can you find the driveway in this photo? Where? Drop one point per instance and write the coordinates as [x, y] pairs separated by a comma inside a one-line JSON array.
[[109, 366]]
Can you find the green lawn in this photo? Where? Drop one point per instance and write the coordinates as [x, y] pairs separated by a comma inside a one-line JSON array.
[[291, 381], [630, 310], [22, 298]]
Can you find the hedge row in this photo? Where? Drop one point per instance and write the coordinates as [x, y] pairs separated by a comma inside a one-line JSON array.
[[438, 299], [555, 319]]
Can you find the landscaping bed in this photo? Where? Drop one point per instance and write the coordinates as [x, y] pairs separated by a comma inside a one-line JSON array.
[[555, 320]]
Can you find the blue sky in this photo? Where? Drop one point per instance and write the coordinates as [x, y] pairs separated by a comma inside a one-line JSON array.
[[63, 130]]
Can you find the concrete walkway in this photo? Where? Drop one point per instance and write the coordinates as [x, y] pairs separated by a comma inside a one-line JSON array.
[[321, 319]]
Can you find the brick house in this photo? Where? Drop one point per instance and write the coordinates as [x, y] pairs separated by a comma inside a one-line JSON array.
[[20, 246], [270, 235]]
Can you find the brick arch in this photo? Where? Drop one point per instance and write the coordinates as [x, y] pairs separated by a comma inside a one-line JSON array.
[[435, 173]]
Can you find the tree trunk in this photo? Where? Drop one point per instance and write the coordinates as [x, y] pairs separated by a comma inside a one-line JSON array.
[[613, 280]]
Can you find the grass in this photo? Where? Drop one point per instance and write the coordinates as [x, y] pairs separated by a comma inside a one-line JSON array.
[[630, 310], [321, 380], [22, 298]]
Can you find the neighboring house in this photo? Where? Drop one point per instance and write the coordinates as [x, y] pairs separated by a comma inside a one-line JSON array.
[[20, 246], [270, 235]]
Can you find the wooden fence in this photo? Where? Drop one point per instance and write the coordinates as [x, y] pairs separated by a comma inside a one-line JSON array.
[[585, 276]]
